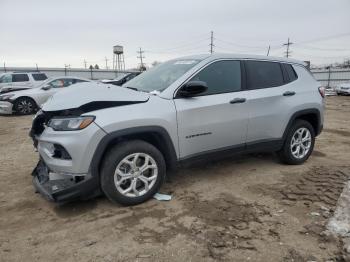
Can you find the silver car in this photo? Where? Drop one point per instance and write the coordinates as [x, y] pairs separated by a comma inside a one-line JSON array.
[[122, 141], [25, 101]]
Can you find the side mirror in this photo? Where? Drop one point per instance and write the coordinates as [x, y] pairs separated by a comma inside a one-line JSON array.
[[47, 87], [192, 88]]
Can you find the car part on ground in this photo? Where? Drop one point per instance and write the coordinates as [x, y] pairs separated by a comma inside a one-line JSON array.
[[185, 109]]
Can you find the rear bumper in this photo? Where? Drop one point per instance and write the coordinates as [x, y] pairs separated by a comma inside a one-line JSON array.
[[6, 107], [63, 188]]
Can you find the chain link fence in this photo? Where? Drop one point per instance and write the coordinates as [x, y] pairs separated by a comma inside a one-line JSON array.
[[331, 77]]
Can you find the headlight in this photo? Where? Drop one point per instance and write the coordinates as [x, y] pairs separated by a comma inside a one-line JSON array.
[[70, 123], [6, 97]]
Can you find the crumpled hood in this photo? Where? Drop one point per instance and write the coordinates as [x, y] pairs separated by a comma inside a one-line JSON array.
[[79, 95]]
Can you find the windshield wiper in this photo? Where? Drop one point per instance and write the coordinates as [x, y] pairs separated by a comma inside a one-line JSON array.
[[132, 88]]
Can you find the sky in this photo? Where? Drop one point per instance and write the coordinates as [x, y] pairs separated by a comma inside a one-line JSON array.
[[53, 33]]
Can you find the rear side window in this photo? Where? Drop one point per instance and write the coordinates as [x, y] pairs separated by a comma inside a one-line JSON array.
[[78, 81], [221, 77], [263, 74], [39, 77], [20, 78], [290, 72]]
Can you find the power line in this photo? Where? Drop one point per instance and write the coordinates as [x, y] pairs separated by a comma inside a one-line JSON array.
[[268, 51], [106, 62], [211, 42], [287, 45]]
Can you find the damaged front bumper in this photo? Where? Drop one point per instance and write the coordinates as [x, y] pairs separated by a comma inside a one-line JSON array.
[[62, 187], [6, 107]]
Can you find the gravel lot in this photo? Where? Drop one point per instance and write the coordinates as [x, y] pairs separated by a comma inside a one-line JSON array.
[[243, 208]]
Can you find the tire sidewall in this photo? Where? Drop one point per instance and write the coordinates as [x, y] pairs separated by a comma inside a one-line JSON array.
[[287, 146], [113, 158], [22, 99]]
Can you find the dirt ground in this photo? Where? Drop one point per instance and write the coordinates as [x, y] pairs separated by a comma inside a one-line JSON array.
[[242, 208]]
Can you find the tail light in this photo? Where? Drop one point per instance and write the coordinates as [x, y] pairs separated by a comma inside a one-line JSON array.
[[322, 91]]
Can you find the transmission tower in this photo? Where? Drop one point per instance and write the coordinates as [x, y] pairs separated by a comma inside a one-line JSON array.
[[287, 45], [141, 56]]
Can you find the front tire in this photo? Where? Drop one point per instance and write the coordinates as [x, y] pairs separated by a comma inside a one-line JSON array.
[[299, 143], [132, 172], [24, 106]]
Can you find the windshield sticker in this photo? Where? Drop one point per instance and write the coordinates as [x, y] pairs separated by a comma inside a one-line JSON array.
[[185, 62]]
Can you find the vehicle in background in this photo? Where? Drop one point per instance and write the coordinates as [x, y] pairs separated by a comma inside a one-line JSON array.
[[343, 89], [123, 141], [121, 79], [330, 91], [21, 79], [28, 101]]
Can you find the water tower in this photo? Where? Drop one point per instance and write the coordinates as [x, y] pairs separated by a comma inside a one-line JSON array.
[[118, 58]]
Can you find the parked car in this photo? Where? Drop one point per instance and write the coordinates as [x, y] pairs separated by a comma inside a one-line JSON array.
[[343, 89], [122, 141], [28, 101], [21, 79], [121, 79]]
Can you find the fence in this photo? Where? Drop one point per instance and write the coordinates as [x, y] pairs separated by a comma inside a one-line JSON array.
[[327, 77], [79, 72], [331, 77]]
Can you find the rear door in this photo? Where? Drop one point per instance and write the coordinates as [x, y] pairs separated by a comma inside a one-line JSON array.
[[21, 80], [216, 119], [272, 96]]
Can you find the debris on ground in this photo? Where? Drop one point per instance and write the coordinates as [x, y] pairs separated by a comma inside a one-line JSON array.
[[162, 197]]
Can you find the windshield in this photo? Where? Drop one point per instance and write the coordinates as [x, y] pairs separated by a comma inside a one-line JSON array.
[[162, 76]]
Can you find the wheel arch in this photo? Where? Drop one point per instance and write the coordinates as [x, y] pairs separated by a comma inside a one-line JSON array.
[[313, 116], [155, 135], [27, 97]]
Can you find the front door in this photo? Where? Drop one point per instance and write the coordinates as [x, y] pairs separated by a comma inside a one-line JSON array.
[[218, 118]]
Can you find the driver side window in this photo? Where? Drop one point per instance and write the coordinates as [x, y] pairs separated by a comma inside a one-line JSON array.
[[58, 83], [220, 77]]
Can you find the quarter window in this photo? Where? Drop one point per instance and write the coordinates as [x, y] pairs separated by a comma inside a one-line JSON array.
[[221, 77], [20, 78], [263, 74], [39, 77], [290, 72]]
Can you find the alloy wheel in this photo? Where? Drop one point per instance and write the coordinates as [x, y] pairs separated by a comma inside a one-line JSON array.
[[301, 143], [135, 174]]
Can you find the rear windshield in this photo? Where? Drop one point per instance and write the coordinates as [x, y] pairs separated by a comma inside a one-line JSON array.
[[162, 76], [39, 77]]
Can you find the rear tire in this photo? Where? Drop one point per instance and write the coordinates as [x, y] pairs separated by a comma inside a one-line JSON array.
[[24, 106], [132, 172], [298, 144]]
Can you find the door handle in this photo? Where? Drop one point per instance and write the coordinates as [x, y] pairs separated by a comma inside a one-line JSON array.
[[289, 93], [237, 100]]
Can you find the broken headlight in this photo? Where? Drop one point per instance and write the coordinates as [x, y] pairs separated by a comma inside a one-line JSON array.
[[70, 123], [6, 97]]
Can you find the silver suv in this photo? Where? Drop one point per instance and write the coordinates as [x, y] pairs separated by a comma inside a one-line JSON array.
[[121, 141]]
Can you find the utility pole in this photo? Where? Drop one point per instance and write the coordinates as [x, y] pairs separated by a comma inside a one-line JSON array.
[[287, 45], [141, 58], [37, 68], [5, 67], [211, 42], [106, 62], [268, 51], [85, 63]]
